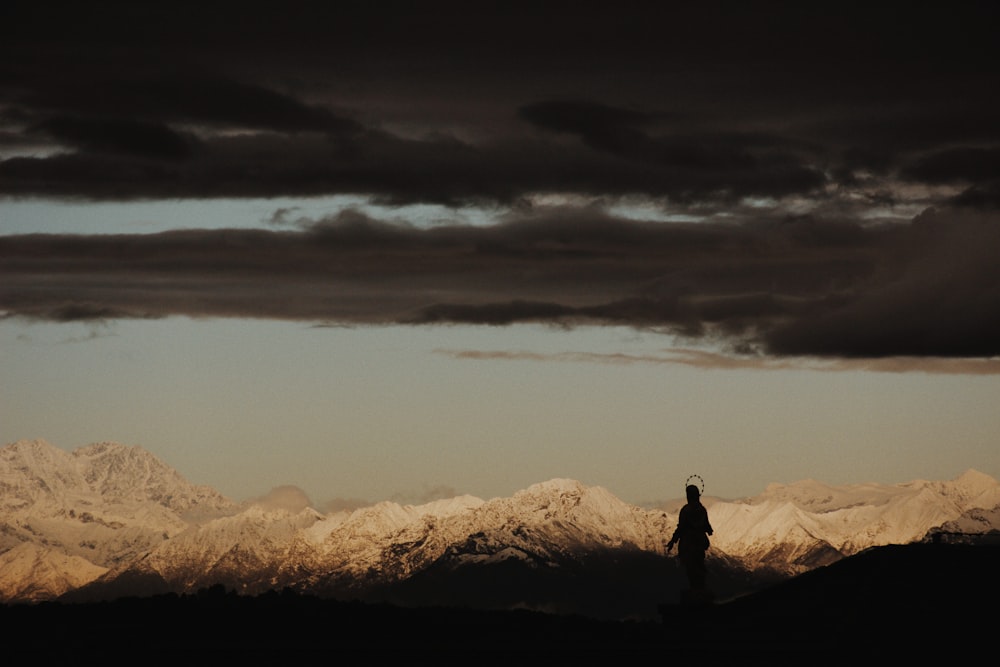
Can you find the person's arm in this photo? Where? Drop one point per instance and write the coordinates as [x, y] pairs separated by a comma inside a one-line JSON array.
[[673, 538], [677, 531]]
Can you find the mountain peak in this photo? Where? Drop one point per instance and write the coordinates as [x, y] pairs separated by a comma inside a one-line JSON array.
[[32, 452], [114, 471], [130, 472], [973, 484], [973, 478]]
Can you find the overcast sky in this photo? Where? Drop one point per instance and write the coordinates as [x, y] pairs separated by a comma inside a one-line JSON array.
[[402, 250]]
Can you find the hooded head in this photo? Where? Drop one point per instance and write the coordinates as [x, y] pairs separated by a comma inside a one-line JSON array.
[[692, 493]]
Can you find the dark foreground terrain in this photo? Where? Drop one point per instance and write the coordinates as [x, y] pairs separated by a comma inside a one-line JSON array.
[[935, 602]]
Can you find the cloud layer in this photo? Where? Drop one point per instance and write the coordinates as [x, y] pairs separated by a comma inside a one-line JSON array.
[[791, 287], [824, 182]]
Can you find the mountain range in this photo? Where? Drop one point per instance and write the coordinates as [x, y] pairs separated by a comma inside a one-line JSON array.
[[109, 521]]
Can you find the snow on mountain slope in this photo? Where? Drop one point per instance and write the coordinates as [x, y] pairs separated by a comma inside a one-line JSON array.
[[35, 472], [542, 525], [108, 514], [100, 506], [562, 515], [974, 521], [33, 573], [384, 542], [809, 523], [241, 551], [776, 535]]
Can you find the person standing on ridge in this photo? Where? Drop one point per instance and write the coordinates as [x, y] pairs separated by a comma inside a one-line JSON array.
[[691, 535]]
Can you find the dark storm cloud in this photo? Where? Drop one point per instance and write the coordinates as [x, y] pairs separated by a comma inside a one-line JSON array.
[[961, 165], [939, 296], [788, 287], [689, 163], [701, 103], [308, 152], [980, 196], [192, 98], [118, 136], [388, 168]]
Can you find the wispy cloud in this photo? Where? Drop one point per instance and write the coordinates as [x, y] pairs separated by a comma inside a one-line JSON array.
[[289, 498], [426, 495], [714, 360]]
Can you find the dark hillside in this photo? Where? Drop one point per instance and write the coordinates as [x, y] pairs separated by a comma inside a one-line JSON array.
[[906, 601], [918, 600]]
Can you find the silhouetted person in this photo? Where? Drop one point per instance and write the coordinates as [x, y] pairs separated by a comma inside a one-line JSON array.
[[691, 536]]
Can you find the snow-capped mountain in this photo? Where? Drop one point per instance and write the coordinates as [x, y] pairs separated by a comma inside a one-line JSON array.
[[796, 527], [541, 526], [108, 520], [65, 518]]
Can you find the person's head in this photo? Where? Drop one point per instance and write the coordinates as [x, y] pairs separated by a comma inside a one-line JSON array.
[[692, 492]]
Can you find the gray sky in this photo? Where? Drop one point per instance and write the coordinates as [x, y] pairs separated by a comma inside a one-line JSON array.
[[474, 246]]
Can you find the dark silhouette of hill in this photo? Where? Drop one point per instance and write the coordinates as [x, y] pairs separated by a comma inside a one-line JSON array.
[[918, 600], [607, 585]]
